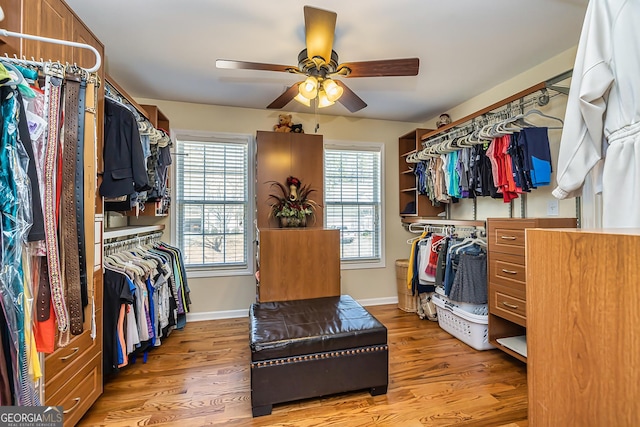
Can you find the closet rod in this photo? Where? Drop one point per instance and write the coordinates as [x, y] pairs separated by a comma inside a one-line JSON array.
[[123, 93], [96, 67], [512, 98], [137, 240], [449, 229]]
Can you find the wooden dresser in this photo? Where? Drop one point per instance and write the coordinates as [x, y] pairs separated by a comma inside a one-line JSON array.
[[507, 279], [584, 312]]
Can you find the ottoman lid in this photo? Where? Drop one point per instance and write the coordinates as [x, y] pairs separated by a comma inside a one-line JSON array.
[[294, 328]]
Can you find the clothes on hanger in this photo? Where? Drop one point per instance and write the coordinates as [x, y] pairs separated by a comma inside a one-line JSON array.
[[40, 197], [495, 168], [465, 278], [137, 158], [146, 297]]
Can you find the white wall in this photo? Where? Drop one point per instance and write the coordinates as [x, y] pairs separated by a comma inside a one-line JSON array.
[[220, 294], [233, 295]]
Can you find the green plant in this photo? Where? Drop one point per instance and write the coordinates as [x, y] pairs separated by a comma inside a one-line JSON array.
[[293, 199]]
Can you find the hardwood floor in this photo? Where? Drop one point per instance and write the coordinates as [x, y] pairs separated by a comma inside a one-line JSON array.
[[200, 376]]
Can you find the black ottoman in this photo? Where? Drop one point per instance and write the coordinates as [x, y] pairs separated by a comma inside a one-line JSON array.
[[314, 347]]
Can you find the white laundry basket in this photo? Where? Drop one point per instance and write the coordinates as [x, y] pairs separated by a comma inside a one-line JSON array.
[[471, 329]]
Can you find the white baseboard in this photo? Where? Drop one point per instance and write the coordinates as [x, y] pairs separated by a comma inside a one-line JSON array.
[[230, 314], [216, 315], [378, 301]]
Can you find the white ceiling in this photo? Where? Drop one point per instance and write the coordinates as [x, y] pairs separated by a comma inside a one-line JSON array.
[[166, 49]]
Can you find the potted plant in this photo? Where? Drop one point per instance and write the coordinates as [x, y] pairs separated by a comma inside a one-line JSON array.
[[292, 205]]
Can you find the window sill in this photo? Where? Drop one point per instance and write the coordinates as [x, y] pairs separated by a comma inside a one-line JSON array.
[[204, 272], [361, 265]]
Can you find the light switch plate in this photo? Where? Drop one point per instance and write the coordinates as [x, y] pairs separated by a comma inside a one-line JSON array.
[[552, 207]]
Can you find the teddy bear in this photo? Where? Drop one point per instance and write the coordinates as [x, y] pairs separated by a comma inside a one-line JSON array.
[[284, 123], [297, 128]]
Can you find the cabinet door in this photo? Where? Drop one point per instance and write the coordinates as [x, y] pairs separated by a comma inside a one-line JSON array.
[[84, 57], [12, 22], [48, 18]]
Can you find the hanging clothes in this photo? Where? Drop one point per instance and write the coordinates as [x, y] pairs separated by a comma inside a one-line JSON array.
[[464, 257], [38, 301], [602, 121], [124, 169], [148, 297], [15, 205]]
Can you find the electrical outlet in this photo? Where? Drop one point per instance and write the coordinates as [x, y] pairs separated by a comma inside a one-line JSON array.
[[552, 207]]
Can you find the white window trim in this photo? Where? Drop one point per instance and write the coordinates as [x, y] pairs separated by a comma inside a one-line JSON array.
[[366, 146], [205, 136]]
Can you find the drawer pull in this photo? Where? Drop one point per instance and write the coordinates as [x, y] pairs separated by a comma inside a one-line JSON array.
[[511, 306], [77, 400], [73, 353], [509, 271], [508, 237]]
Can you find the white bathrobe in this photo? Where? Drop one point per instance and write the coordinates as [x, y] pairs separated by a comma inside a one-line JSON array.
[[602, 122]]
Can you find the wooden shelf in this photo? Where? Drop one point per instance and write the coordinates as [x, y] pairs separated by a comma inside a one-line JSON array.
[[507, 350], [485, 110], [116, 232], [440, 221], [411, 202]]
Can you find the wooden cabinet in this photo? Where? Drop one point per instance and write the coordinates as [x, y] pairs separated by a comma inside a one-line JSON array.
[[280, 155], [48, 18], [412, 204], [72, 374], [583, 316], [298, 264], [507, 279]]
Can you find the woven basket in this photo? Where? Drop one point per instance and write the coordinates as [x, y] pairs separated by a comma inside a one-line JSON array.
[[406, 301]]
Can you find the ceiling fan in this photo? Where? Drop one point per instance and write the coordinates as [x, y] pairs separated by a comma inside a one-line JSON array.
[[319, 63]]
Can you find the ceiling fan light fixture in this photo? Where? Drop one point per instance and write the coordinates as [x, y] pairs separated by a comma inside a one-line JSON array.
[[332, 90], [309, 88], [323, 100], [302, 100]]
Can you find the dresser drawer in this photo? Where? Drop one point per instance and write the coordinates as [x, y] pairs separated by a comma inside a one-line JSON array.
[[508, 303], [508, 270], [79, 392], [65, 361], [505, 238]]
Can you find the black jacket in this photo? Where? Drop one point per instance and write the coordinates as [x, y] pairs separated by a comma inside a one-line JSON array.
[[124, 168]]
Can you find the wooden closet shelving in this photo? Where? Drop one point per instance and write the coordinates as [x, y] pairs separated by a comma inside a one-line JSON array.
[[412, 204], [72, 374], [116, 232], [415, 140]]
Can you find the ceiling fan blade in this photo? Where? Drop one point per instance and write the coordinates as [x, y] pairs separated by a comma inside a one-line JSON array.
[[383, 68], [242, 65], [320, 27], [349, 99], [285, 98]]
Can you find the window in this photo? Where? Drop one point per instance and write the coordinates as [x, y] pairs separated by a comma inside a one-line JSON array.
[[353, 182], [212, 201]]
